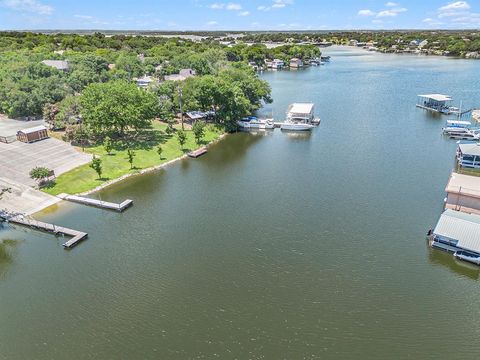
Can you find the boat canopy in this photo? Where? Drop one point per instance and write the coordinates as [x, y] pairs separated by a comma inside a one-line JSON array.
[[460, 227], [458, 123], [301, 109], [437, 97]]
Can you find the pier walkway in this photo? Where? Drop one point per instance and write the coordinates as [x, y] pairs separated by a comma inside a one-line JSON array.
[[97, 203], [76, 236], [198, 152]]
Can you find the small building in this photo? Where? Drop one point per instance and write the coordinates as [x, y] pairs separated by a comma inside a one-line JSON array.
[[181, 76], [296, 63], [353, 42], [468, 155], [111, 66], [457, 231], [61, 65], [463, 193], [32, 134], [278, 64]]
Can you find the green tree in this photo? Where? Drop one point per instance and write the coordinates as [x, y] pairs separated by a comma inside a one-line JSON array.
[[39, 174], [108, 145], [131, 155], [181, 137], [160, 151], [96, 165], [117, 106], [198, 131]]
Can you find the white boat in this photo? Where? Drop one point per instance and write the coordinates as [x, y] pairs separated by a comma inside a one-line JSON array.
[[467, 256], [252, 122], [300, 117], [466, 134]]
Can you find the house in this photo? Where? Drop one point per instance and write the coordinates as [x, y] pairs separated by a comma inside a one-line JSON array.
[[32, 134], [457, 231], [463, 193], [278, 64], [181, 76], [61, 65], [468, 155], [353, 42], [296, 63]]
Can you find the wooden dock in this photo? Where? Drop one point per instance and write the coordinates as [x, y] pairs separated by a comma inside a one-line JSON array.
[[199, 152], [98, 203], [76, 236]]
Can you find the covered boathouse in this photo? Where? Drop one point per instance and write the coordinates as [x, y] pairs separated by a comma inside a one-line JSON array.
[[463, 193], [468, 155], [435, 102], [457, 231], [32, 134]]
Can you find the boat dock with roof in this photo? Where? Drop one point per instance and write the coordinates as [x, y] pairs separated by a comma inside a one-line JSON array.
[[437, 103]]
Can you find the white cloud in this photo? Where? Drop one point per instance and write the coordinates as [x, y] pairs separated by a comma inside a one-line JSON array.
[[244, 13], [216, 6], [83, 17], [455, 6], [391, 12], [32, 6], [233, 6], [281, 3], [366, 12], [212, 23], [263, 8], [391, 4]]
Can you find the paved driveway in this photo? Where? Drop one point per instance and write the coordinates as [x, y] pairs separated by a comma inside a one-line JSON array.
[[18, 158], [9, 127]]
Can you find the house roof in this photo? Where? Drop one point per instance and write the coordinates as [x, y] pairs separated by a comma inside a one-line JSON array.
[[470, 149], [463, 227], [301, 108], [437, 97], [33, 129], [57, 64], [466, 184]]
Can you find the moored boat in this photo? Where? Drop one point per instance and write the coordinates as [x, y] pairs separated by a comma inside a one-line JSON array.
[[253, 122], [300, 117], [467, 256]]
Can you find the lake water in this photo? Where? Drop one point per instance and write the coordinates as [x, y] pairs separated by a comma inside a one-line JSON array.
[[275, 245]]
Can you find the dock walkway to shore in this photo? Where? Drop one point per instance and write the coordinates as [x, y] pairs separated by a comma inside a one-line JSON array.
[[77, 236], [97, 203]]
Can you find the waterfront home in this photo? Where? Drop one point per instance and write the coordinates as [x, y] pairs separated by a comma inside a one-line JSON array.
[[296, 63], [61, 65], [278, 64], [353, 42], [468, 155], [32, 134], [436, 102], [463, 193], [457, 232]]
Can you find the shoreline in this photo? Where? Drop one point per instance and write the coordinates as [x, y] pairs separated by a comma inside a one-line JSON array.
[[145, 171]]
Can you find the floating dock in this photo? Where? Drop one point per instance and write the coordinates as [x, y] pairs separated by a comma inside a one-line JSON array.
[[77, 236], [197, 153], [98, 203]]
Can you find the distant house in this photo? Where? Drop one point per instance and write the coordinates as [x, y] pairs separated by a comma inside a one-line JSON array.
[[468, 155], [181, 76], [463, 193], [353, 42], [296, 63], [145, 81], [277, 64], [111, 66], [32, 134], [61, 65]]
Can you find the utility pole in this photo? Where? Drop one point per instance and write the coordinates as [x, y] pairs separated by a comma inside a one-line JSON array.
[[180, 101]]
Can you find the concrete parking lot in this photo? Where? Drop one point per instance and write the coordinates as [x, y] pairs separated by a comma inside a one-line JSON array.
[[9, 127], [18, 158]]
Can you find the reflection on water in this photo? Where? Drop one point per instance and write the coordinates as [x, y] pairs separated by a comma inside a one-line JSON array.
[[7, 246], [461, 268], [297, 135]]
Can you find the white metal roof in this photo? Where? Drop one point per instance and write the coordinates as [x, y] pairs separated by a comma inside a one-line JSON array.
[[437, 97], [33, 129], [301, 108], [470, 149], [58, 64], [460, 226], [466, 184]]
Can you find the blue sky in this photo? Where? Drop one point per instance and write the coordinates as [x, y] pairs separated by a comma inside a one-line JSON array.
[[238, 14]]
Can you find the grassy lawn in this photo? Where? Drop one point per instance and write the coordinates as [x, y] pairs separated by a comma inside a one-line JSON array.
[[116, 164]]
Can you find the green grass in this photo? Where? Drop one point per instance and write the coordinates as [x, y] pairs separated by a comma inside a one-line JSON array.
[[84, 178]]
